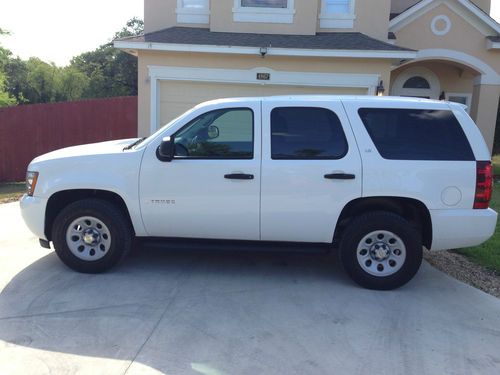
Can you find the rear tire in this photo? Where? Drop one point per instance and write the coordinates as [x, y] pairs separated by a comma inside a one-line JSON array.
[[381, 250], [91, 235]]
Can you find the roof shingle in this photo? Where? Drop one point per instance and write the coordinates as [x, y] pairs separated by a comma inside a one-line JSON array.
[[328, 41]]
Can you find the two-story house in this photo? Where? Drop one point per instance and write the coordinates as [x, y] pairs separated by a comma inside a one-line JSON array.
[[196, 50]]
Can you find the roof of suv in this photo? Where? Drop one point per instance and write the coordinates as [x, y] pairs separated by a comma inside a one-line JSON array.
[[366, 99]]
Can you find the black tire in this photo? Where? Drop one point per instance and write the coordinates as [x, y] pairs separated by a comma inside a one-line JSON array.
[[121, 234], [368, 223]]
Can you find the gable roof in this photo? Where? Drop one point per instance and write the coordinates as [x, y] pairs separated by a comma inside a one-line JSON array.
[[424, 6], [340, 44]]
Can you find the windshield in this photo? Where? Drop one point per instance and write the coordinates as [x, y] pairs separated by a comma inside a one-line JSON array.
[[146, 140]]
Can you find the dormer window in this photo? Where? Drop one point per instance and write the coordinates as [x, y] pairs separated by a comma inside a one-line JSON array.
[[193, 11], [337, 14], [269, 11]]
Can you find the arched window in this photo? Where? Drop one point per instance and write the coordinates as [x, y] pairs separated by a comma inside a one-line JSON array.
[[417, 82]]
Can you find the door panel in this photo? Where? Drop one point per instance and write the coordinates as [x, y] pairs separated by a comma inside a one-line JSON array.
[[309, 171], [191, 196]]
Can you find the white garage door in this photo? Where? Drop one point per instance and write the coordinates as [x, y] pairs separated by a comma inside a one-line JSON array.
[[177, 97]]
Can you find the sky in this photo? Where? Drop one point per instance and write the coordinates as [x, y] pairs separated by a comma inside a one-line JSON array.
[[57, 30]]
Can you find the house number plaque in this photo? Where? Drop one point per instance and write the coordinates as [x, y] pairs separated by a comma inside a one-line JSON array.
[[263, 76]]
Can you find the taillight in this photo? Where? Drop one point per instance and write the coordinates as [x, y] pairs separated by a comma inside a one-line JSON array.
[[484, 184]]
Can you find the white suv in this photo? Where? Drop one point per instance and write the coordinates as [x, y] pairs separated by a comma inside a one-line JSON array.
[[377, 178]]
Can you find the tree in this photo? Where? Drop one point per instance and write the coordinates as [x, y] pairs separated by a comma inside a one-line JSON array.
[[105, 72], [72, 84], [5, 98], [111, 72], [42, 79]]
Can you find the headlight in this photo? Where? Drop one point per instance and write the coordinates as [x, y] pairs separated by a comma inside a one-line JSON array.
[[31, 179]]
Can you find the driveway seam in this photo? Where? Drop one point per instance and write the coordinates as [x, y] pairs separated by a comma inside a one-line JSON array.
[[172, 299]]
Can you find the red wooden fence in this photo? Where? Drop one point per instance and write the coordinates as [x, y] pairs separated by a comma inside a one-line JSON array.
[[31, 130]]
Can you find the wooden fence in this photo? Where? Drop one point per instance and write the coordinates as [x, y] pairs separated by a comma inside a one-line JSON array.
[[30, 130]]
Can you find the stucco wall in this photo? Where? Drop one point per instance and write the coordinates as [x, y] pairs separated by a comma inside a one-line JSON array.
[[453, 78], [372, 18], [399, 6], [484, 110], [304, 21], [462, 37], [291, 64], [160, 14]]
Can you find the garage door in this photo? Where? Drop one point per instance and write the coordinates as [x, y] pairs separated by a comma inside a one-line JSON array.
[[177, 97]]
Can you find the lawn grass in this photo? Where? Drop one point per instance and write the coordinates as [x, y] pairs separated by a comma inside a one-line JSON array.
[[496, 164], [488, 254], [11, 191]]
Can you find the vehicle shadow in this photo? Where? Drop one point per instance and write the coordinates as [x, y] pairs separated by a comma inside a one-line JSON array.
[[192, 312], [157, 295]]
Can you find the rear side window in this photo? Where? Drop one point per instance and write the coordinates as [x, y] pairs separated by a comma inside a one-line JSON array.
[[415, 134], [305, 133]]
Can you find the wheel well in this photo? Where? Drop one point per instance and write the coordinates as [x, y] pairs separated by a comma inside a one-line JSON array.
[[411, 209], [61, 199]]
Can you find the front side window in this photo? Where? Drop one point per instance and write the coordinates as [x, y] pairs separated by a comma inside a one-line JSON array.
[[416, 134], [306, 133], [219, 134]]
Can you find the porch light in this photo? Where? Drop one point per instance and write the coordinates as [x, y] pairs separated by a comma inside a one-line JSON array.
[[380, 89], [263, 51]]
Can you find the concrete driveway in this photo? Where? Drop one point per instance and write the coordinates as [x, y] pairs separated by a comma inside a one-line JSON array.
[[205, 313]]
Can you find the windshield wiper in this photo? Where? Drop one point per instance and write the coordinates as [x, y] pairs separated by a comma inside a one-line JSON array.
[[134, 144]]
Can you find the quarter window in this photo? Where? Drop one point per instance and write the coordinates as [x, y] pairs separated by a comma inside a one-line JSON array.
[[306, 133], [416, 134], [264, 3], [219, 134], [193, 11], [268, 11], [337, 6], [337, 14]]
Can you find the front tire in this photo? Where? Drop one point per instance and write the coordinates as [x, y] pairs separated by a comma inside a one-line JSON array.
[[91, 235], [381, 250]]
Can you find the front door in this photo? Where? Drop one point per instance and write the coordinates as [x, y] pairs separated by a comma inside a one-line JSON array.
[[311, 168], [211, 189]]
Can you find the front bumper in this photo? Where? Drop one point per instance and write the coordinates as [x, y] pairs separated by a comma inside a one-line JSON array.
[[454, 229], [33, 213]]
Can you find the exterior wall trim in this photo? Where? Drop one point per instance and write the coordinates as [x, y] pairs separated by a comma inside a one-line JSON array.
[[433, 93], [488, 75], [424, 6], [240, 76], [271, 51]]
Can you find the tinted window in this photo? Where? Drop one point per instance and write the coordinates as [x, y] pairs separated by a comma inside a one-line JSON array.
[[306, 133], [414, 134], [220, 134]]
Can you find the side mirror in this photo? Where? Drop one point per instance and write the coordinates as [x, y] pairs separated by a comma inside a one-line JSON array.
[[212, 132], [165, 151]]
